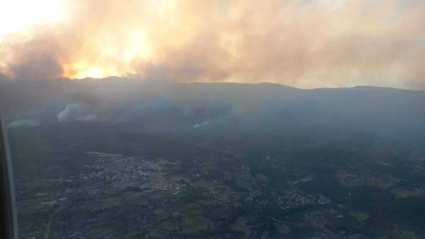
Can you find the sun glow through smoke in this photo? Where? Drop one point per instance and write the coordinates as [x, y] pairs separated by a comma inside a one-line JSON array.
[[92, 73], [300, 43]]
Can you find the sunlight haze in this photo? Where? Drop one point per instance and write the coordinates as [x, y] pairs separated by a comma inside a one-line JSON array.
[[305, 44]]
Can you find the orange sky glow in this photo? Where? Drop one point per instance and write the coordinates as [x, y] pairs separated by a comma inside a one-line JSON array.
[[300, 43]]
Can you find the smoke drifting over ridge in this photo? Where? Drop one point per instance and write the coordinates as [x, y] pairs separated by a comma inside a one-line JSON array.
[[306, 44], [180, 108]]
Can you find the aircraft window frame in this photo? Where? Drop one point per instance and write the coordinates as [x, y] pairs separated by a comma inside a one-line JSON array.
[[8, 222]]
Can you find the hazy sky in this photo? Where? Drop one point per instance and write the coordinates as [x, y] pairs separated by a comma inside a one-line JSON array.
[[300, 43]]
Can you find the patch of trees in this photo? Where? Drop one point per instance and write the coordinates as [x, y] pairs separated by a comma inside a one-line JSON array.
[[193, 197], [367, 198], [233, 186], [408, 211]]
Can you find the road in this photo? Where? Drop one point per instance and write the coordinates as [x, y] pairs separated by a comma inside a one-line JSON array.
[[49, 224]]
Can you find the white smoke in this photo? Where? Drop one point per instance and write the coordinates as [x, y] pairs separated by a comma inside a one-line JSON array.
[[22, 123], [204, 123], [75, 111]]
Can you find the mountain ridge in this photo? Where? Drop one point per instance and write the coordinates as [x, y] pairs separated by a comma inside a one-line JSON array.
[[117, 78]]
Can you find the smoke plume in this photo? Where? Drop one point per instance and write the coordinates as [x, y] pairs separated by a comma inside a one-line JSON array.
[[305, 44]]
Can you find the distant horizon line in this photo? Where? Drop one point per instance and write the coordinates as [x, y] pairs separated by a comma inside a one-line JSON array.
[[204, 82]]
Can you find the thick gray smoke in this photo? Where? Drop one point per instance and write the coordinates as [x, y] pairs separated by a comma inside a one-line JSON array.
[[305, 44], [221, 107]]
